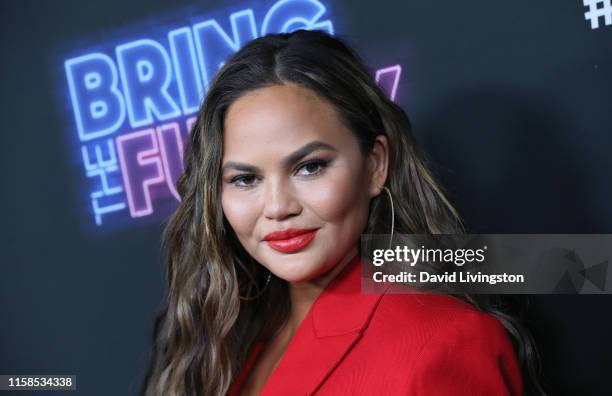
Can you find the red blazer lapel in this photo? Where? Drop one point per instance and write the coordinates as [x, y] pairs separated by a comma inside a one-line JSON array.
[[335, 322]]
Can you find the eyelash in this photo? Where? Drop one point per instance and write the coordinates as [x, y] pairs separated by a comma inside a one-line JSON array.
[[320, 162]]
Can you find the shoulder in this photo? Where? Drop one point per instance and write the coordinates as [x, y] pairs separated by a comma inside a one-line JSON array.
[[429, 311], [427, 317], [451, 344]]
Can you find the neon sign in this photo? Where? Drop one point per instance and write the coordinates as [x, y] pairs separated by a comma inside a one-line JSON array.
[[133, 108]]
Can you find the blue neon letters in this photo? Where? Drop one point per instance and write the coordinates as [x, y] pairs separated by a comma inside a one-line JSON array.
[[138, 82], [134, 107]]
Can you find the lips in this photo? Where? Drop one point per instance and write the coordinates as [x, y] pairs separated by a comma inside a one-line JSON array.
[[290, 240]]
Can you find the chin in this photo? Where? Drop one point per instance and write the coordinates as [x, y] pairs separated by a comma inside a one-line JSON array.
[[295, 269]]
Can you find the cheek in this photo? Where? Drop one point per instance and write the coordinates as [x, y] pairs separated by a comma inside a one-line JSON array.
[[239, 213], [337, 198]]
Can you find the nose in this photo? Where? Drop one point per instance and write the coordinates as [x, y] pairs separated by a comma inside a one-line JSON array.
[[280, 201]]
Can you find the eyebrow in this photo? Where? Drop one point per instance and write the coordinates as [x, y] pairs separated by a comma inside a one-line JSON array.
[[286, 162]]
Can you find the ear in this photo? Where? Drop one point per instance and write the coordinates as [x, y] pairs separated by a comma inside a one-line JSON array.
[[378, 165]]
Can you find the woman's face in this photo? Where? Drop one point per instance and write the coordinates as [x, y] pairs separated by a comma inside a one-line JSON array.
[[290, 163]]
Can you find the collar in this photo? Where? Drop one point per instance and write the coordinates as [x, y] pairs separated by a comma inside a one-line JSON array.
[[334, 323], [342, 308]]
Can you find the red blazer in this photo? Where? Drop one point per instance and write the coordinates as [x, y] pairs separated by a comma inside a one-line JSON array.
[[351, 343]]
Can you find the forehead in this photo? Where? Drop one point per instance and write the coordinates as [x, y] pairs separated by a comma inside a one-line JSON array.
[[281, 117]]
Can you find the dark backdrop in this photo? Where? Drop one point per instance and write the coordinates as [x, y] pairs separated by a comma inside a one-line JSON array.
[[511, 99]]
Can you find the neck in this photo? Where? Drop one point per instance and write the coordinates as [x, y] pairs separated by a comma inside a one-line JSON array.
[[303, 294]]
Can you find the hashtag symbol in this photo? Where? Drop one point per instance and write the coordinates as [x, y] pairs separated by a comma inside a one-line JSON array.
[[597, 9]]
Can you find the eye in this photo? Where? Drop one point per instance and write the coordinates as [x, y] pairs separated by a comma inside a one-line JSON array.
[[243, 180], [313, 167], [307, 169]]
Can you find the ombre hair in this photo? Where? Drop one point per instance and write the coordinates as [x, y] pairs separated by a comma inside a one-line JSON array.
[[203, 334]]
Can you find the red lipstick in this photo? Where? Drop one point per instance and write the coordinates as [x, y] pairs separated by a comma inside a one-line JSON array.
[[290, 240]]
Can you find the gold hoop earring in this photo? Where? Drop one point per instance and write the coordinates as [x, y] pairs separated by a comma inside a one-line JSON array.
[[249, 298], [392, 215]]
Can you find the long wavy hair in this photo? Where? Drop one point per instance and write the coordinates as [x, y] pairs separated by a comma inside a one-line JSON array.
[[202, 335]]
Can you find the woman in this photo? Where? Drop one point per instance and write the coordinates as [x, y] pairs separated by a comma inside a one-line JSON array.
[[295, 153]]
